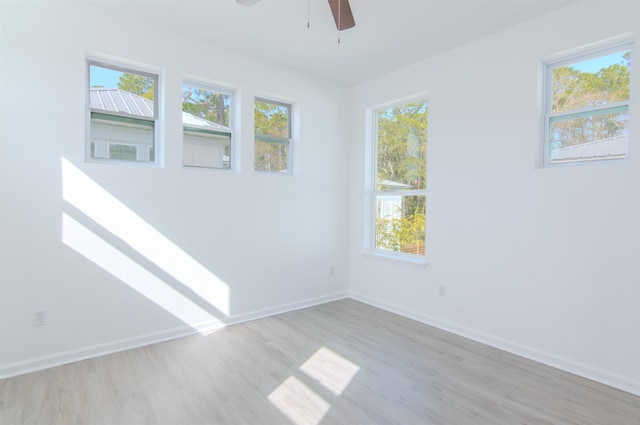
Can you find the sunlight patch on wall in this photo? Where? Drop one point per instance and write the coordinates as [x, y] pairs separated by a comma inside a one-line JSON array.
[[298, 402], [96, 249], [330, 369], [99, 205]]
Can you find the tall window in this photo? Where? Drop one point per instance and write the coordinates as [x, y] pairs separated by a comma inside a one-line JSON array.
[[272, 122], [207, 126], [123, 114], [587, 106], [399, 197]]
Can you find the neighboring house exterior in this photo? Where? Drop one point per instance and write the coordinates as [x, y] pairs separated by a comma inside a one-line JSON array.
[[390, 206], [205, 143]]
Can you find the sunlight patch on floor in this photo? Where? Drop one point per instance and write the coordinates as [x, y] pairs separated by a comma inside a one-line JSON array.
[[330, 369], [299, 403]]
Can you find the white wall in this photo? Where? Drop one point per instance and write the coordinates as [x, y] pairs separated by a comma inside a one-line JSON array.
[[270, 239], [541, 262]]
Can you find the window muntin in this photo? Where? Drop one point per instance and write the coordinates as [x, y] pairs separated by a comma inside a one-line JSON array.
[[207, 120], [123, 117], [272, 121], [587, 106], [399, 195]]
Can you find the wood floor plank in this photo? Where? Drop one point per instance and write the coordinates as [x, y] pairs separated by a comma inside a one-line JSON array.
[[338, 363]]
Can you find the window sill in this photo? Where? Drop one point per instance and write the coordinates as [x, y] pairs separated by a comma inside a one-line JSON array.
[[585, 162], [418, 262]]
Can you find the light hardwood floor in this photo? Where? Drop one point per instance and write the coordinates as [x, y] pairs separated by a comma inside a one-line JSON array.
[[338, 363]]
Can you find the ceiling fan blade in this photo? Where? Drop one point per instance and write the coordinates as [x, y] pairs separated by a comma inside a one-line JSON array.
[[247, 2], [342, 14]]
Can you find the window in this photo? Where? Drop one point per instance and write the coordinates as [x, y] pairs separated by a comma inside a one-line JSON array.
[[587, 106], [400, 177], [272, 122], [206, 122], [123, 114]]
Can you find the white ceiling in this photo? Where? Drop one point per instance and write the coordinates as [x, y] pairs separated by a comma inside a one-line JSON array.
[[388, 35]]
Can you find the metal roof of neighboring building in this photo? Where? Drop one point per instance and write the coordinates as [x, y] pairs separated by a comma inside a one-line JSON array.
[[389, 184], [192, 120], [116, 100], [613, 147]]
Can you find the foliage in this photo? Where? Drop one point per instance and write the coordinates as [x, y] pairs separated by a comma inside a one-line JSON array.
[[270, 156], [402, 145], [137, 84], [209, 105], [271, 119], [405, 233]]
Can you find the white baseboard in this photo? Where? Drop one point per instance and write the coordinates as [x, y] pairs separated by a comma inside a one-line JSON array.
[[284, 308], [58, 359], [616, 381], [62, 358]]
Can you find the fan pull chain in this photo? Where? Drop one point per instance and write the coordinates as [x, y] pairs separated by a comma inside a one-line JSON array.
[[339, 16], [308, 13]]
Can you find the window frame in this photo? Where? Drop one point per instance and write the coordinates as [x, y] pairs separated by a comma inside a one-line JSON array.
[[547, 98], [195, 129], [153, 122], [373, 192], [273, 139]]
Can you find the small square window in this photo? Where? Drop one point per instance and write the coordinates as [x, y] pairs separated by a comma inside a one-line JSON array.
[[207, 126], [587, 107], [123, 118], [272, 136]]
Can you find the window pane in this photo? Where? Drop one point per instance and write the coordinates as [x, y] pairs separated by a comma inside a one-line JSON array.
[[598, 81], [208, 104], [400, 223], [121, 138], [207, 127], [589, 136], [123, 152], [112, 90], [123, 113], [272, 119], [402, 147], [271, 156], [206, 150]]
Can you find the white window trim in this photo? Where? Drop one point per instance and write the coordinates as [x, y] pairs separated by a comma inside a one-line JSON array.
[[233, 151], [277, 140], [371, 191], [396, 258], [157, 141], [600, 49]]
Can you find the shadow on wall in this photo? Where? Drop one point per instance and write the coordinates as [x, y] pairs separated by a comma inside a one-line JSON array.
[[107, 232]]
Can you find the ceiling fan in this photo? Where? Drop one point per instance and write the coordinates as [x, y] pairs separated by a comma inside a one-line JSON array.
[[339, 8]]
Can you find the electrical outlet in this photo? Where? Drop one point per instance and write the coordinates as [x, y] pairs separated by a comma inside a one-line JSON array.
[[332, 271], [40, 318], [442, 290]]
